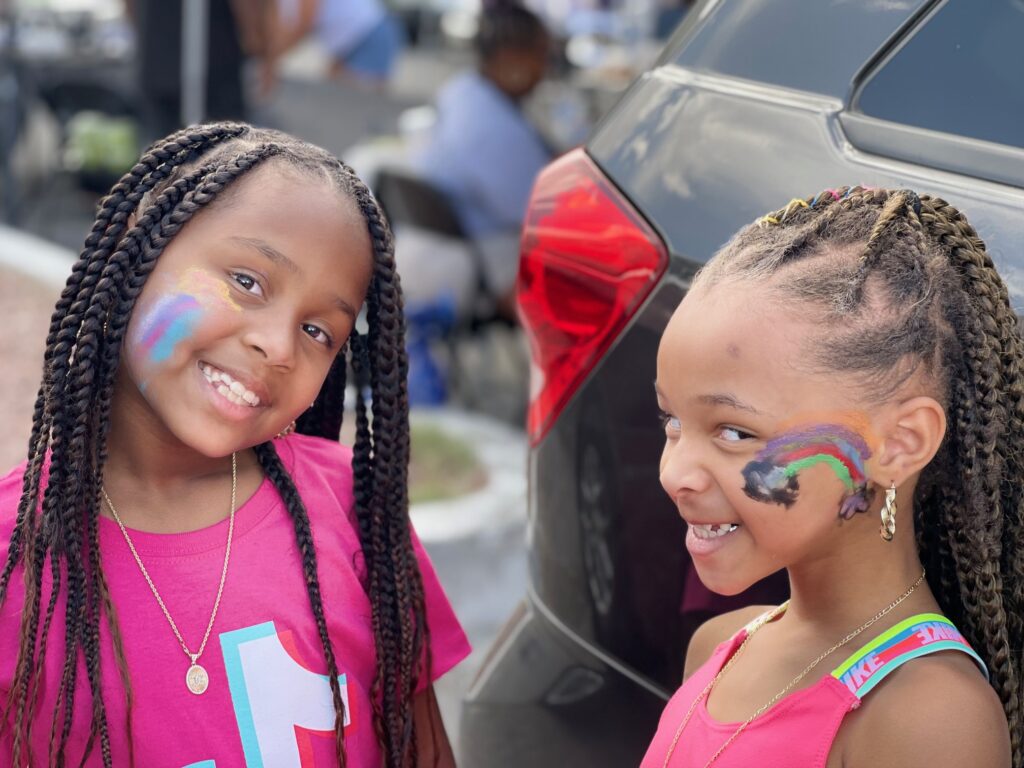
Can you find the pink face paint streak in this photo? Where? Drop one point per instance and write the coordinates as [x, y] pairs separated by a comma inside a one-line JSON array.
[[772, 476], [171, 321]]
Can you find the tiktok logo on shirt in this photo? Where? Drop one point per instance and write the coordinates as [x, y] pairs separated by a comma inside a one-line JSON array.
[[282, 708]]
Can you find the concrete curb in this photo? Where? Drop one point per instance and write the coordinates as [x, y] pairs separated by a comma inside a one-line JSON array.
[[34, 257], [501, 502]]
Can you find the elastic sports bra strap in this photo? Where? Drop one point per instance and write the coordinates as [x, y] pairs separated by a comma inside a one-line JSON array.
[[917, 636]]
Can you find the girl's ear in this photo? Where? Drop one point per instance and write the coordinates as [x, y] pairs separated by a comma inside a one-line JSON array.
[[915, 432]]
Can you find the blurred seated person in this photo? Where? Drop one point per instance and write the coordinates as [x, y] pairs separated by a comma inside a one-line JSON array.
[[361, 37], [484, 154]]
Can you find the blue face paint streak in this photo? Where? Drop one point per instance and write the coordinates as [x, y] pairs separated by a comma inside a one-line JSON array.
[[171, 322], [179, 329]]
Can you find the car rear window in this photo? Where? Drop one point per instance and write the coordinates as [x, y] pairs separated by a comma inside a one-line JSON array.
[[959, 73], [805, 45]]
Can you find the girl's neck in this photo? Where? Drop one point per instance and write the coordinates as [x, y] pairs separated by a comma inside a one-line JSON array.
[[176, 496], [153, 456], [161, 485], [840, 591]]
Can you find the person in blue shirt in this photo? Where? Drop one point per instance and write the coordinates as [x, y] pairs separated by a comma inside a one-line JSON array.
[[483, 152], [361, 37]]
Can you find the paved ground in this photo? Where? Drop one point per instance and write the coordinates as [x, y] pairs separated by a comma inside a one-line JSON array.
[[485, 577], [27, 304]]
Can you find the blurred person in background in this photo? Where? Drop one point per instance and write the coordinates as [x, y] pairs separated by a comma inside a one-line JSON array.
[[234, 28], [484, 154], [361, 37]]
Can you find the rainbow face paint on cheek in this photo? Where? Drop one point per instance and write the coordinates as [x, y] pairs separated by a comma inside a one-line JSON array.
[[170, 322], [772, 476], [175, 316]]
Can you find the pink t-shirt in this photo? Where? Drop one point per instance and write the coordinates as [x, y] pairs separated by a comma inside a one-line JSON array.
[[268, 702]]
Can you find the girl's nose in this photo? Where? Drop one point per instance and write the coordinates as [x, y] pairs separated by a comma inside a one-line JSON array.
[[682, 470], [274, 340]]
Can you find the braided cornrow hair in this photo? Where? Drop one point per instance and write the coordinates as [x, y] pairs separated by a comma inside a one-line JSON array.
[[58, 509], [904, 285]]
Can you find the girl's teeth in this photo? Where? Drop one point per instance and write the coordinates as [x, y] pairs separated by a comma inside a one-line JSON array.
[[233, 390], [713, 531]]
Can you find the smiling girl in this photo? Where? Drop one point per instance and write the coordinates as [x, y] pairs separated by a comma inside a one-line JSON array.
[[842, 398], [196, 572]]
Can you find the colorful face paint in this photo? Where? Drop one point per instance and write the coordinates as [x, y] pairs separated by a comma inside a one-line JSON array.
[[171, 321], [175, 316], [772, 476], [209, 290]]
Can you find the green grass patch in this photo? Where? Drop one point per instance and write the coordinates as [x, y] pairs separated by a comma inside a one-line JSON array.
[[441, 466]]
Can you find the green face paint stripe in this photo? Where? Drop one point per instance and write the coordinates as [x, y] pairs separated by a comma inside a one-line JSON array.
[[886, 636], [837, 466]]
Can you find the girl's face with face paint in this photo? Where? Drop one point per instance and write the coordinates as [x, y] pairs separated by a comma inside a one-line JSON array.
[[237, 327], [762, 458]]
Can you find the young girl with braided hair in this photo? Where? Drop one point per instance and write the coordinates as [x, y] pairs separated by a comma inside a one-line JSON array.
[[197, 573], [842, 398]]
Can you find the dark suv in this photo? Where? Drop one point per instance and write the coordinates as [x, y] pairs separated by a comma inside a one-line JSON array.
[[752, 103]]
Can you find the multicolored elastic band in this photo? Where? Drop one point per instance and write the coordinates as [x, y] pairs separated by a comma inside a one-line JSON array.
[[792, 205], [917, 636], [833, 192]]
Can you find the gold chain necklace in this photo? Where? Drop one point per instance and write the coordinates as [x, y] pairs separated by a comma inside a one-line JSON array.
[[196, 679], [756, 625]]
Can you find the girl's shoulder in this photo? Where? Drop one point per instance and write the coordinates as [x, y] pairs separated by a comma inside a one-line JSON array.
[[303, 454], [315, 448], [934, 711], [10, 497], [319, 467], [716, 631], [11, 482]]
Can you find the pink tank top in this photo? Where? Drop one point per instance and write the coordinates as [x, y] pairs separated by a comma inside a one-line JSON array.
[[798, 731]]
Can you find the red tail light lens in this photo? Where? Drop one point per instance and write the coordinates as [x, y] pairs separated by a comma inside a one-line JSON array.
[[588, 261]]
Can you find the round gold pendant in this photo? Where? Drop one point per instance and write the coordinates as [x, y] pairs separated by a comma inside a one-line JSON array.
[[196, 679]]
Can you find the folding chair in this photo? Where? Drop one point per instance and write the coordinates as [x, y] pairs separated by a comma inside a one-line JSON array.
[[413, 201]]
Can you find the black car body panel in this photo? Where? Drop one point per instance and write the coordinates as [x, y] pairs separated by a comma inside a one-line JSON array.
[[753, 103]]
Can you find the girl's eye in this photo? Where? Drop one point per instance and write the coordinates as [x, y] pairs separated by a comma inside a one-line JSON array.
[[669, 423], [248, 283], [733, 435], [317, 333]]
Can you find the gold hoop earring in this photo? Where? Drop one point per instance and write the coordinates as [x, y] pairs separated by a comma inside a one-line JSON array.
[[888, 529], [287, 430]]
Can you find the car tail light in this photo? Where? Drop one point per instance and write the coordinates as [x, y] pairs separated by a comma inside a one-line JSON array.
[[588, 261]]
